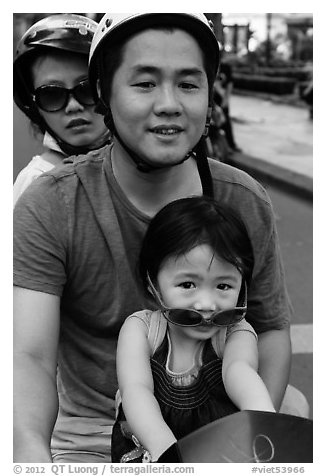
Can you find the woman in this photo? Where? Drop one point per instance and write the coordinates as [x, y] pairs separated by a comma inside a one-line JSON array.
[[51, 87]]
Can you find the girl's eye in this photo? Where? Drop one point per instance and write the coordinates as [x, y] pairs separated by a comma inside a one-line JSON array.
[[223, 286], [187, 285]]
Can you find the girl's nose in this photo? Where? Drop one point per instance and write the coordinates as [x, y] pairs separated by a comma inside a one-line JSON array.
[[205, 302]]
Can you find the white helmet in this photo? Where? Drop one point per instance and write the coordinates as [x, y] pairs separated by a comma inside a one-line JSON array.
[[116, 27]]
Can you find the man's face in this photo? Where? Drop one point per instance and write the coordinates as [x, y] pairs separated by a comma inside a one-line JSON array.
[[159, 95]]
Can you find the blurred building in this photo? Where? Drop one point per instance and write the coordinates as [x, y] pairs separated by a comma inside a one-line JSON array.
[[290, 35]]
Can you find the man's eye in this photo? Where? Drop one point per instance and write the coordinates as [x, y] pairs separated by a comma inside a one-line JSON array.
[[145, 85], [186, 85], [187, 285]]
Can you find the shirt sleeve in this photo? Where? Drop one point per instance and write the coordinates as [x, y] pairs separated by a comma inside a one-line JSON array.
[[40, 238], [243, 325], [269, 306], [220, 338]]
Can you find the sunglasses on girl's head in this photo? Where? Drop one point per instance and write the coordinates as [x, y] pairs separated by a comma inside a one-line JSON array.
[[53, 98], [193, 318]]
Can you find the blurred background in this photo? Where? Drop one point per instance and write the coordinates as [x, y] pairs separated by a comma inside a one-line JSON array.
[[270, 52]]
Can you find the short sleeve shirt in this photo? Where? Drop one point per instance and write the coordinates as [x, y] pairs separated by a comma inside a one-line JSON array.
[[77, 236]]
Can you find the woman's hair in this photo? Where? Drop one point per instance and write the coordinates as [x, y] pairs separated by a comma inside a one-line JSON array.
[[186, 223]]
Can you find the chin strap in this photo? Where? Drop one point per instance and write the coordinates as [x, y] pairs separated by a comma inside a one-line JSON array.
[[140, 163], [70, 150], [199, 153], [203, 168]]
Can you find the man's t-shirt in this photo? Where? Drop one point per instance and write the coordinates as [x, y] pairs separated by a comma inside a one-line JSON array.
[[77, 236]]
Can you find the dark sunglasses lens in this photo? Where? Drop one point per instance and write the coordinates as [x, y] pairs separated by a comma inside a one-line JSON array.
[[51, 98], [83, 94], [184, 317], [230, 316]]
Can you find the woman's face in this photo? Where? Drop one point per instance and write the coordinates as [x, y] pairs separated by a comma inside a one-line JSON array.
[[159, 95], [76, 124]]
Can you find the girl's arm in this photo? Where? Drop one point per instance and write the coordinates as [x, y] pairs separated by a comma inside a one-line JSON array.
[[135, 380], [239, 370]]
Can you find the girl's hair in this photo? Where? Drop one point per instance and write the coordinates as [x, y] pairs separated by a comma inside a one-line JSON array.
[[186, 223]]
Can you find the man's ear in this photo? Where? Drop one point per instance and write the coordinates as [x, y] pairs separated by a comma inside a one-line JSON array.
[[208, 121], [101, 107]]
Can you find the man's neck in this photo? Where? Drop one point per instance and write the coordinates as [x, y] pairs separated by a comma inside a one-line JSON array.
[[149, 192]]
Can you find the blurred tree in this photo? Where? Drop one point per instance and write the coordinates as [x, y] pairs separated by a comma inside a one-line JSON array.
[[216, 18]]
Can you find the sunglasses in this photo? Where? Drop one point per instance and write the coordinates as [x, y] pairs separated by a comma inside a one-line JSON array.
[[52, 98], [193, 318]]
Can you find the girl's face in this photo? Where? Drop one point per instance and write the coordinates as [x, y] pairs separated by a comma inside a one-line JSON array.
[[202, 281], [159, 95], [76, 124]]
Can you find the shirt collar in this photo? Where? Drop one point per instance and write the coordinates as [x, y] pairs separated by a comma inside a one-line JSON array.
[[50, 143]]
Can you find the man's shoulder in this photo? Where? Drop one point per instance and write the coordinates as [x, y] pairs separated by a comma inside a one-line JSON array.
[[236, 180], [71, 165], [63, 181]]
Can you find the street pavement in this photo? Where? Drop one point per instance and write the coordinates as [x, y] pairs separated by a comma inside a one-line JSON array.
[[276, 142], [276, 139]]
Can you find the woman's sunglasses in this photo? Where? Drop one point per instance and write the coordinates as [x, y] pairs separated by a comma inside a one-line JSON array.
[[193, 318], [52, 98]]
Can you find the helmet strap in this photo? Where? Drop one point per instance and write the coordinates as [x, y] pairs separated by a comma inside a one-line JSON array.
[[200, 151], [70, 150], [141, 164]]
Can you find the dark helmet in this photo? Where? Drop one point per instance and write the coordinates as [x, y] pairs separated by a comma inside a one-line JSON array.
[[67, 32]]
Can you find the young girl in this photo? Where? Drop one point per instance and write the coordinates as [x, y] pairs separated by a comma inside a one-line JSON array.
[[195, 359]]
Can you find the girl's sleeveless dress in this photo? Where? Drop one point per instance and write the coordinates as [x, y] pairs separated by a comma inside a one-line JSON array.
[[187, 401]]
